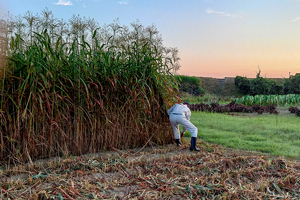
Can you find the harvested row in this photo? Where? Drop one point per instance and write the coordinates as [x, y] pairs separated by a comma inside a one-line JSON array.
[[157, 173], [233, 107]]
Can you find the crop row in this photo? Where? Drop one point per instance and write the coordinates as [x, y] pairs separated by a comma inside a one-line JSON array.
[[233, 107], [280, 100]]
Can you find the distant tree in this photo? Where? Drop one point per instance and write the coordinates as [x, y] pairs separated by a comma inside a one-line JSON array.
[[292, 85], [287, 86], [259, 85], [243, 84], [276, 88]]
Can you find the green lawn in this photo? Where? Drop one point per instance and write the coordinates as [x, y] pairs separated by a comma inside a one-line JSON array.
[[274, 134]]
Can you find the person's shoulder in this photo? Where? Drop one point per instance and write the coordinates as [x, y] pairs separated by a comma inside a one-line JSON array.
[[181, 104]]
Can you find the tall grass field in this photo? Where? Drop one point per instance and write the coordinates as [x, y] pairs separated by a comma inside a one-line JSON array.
[[75, 87], [272, 134]]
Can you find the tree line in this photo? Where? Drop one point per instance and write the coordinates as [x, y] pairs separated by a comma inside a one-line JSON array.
[[260, 85]]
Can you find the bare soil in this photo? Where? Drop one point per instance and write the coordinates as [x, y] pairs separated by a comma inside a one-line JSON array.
[[156, 172]]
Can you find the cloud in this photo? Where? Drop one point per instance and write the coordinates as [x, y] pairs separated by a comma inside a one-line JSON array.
[[296, 19], [123, 2], [64, 3], [210, 11]]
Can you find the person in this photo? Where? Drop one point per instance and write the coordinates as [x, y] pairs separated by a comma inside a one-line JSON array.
[[181, 114]]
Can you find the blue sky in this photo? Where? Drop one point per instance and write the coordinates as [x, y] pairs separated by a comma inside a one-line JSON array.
[[215, 38]]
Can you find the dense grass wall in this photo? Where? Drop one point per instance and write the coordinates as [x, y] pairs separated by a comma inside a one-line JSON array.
[[76, 93]]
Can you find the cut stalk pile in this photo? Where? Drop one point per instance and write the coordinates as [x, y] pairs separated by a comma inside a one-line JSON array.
[[156, 173], [67, 91]]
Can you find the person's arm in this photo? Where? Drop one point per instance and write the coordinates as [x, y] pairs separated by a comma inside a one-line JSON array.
[[188, 115], [171, 109]]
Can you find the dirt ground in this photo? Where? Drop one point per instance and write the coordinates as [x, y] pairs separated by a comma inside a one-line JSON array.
[[156, 172]]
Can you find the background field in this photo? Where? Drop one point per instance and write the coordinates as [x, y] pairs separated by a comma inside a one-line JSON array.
[[273, 134]]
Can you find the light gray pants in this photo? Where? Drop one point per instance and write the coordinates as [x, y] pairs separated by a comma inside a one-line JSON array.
[[181, 119]]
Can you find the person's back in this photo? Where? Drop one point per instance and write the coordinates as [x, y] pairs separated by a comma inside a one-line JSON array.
[[180, 109]]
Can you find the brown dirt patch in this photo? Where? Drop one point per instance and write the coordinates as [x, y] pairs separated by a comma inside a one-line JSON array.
[[157, 172]]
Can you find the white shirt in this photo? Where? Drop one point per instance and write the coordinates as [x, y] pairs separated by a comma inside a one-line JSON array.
[[180, 109]]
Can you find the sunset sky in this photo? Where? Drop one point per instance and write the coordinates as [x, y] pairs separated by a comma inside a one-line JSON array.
[[215, 38]]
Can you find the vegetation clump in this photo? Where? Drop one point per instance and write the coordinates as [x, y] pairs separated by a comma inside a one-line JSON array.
[[70, 88], [295, 110], [190, 85]]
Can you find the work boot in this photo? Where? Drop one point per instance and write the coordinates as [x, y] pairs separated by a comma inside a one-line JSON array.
[[193, 144], [178, 142]]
